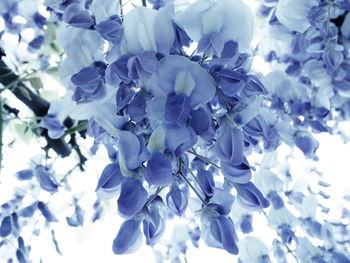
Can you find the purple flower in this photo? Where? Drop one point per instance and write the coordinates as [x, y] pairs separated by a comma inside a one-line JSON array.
[[128, 238]]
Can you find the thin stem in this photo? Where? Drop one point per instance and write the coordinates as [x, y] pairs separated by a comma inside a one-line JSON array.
[[80, 127], [1, 121], [285, 245], [203, 158], [121, 9], [202, 59], [194, 52], [144, 3], [185, 258], [291, 252], [151, 198], [192, 187], [68, 173], [194, 177]]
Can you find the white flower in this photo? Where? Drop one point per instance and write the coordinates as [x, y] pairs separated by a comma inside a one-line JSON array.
[[230, 19], [293, 13], [148, 30]]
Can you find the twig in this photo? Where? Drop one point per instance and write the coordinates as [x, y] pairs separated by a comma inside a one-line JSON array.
[[192, 187], [10, 109], [82, 158], [203, 158], [192, 174], [151, 198], [1, 120], [33, 101], [179, 172]]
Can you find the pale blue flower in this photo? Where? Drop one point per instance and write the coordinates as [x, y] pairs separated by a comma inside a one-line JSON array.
[[221, 21], [144, 30]]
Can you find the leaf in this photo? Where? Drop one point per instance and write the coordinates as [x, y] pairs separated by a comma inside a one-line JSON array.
[[36, 83], [22, 131]]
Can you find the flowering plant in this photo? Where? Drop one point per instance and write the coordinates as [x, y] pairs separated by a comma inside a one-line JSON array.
[[183, 97]]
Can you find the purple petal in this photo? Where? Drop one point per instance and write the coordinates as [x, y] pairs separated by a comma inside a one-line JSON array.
[[229, 146], [177, 200], [6, 226], [159, 170], [223, 230], [110, 178], [206, 181], [177, 109], [306, 144], [46, 212], [77, 16], [26, 174], [85, 76], [153, 226], [240, 174], [256, 127], [132, 197], [129, 149], [46, 179], [128, 238], [250, 197], [200, 121]]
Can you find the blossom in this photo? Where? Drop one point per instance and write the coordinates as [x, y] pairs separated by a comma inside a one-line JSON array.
[[129, 237], [144, 29], [293, 14], [219, 232], [220, 21], [132, 198]]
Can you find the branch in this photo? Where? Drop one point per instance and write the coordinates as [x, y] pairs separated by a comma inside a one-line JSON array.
[[82, 158], [33, 101]]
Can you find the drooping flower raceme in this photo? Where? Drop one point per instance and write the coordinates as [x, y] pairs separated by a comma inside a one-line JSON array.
[[171, 94]]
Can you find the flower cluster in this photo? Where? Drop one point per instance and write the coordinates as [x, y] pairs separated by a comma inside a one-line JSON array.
[[167, 86], [173, 94]]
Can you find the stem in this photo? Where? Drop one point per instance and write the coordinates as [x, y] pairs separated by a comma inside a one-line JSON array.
[[33, 101], [121, 9], [144, 3], [291, 252], [202, 60], [192, 187], [82, 158], [203, 158], [285, 245], [151, 198], [194, 177], [194, 52], [82, 126], [68, 173], [1, 121]]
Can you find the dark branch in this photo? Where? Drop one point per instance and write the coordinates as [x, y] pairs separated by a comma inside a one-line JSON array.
[[82, 158], [33, 101], [10, 109]]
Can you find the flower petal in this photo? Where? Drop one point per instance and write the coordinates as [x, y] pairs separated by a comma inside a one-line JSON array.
[[159, 170], [6, 226], [250, 197], [132, 197], [128, 238], [110, 178], [240, 174]]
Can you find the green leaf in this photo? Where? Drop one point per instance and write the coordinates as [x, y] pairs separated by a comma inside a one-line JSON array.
[[36, 83]]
